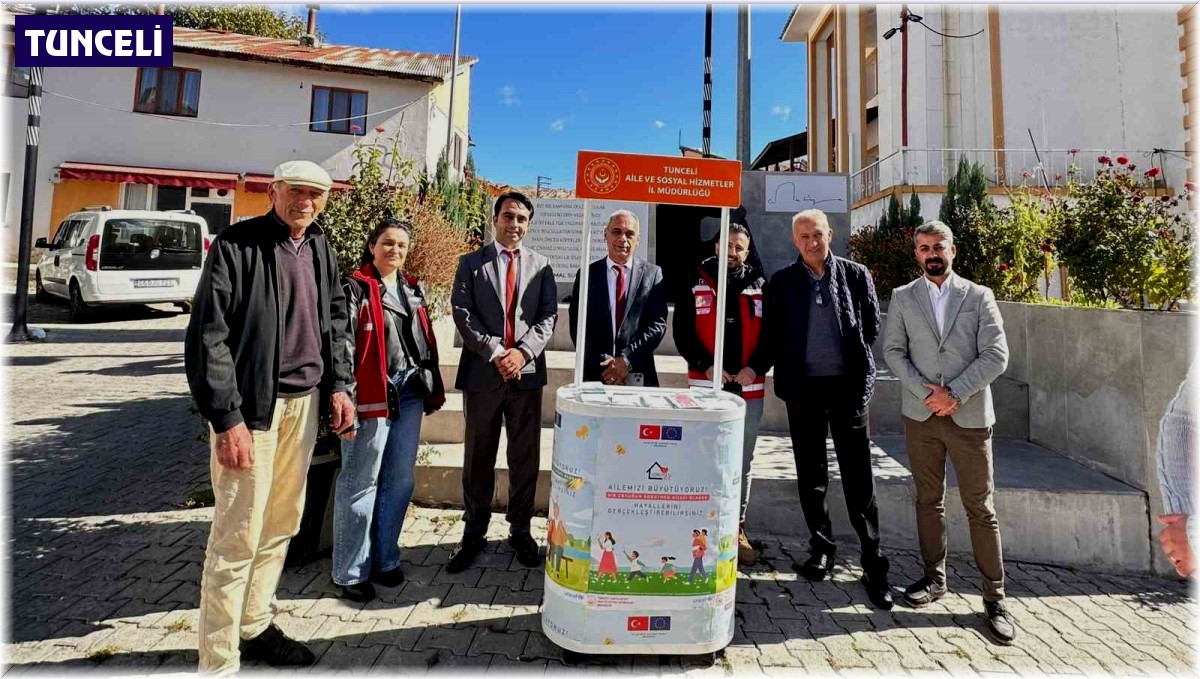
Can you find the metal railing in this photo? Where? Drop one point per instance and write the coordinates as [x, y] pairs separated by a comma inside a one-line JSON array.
[[1009, 167]]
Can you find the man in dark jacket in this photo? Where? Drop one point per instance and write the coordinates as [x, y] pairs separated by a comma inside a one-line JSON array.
[[746, 358], [627, 310], [822, 317], [264, 352]]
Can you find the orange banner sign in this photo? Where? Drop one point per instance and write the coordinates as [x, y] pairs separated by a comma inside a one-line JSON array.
[[659, 179]]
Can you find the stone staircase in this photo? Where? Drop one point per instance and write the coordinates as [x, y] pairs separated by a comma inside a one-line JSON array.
[[1052, 509]]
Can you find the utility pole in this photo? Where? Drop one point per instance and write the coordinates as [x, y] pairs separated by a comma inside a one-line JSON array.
[[453, 78], [20, 331], [542, 183], [706, 147], [743, 86], [904, 76]]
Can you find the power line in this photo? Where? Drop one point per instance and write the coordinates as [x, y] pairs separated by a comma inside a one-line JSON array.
[[947, 35], [196, 121]]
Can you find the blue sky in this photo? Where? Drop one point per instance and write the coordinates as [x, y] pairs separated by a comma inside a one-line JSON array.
[[551, 81]]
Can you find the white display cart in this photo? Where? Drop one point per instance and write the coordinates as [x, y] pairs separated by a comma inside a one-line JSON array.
[[642, 544], [644, 504]]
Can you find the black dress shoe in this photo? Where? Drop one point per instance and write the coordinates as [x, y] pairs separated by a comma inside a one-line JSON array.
[[276, 648], [392, 578], [361, 592], [818, 566], [878, 591], [1000, 625], [526, 548], [464, 554], [923, 592]]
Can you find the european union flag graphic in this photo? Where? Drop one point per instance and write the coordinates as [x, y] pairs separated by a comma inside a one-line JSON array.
[[660, 623], [672, 433]]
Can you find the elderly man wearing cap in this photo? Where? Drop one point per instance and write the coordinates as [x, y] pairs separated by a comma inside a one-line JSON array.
[[264, 355]]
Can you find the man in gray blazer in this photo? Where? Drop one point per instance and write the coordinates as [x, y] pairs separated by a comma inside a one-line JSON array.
[[627, 310], [505, 307], [945, 342]]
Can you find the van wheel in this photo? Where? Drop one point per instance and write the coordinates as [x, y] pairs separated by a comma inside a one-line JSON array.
[[80, 311], [41, 295]]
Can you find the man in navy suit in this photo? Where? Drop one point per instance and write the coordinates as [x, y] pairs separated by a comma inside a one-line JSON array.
[[627, 310]]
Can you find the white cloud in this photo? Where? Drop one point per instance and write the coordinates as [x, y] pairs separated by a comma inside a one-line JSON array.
[[508, 96], [659, 124], [582, 95], [558, 125], [784, 112]]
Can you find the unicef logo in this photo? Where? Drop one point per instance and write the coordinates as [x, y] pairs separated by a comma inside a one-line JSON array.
[[602, 175]]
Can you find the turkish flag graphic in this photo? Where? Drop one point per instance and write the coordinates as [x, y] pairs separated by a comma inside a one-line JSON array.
[[638, 623], [651, 432]]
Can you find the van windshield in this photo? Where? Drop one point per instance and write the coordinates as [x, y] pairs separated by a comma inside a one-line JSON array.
[[145, 244]]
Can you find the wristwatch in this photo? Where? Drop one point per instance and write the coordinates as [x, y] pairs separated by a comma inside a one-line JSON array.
[[956, 397]]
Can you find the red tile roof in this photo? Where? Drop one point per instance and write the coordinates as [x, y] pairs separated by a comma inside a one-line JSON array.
[[365, 60]]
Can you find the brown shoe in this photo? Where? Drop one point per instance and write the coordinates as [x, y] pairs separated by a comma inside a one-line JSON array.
[[746, 554]]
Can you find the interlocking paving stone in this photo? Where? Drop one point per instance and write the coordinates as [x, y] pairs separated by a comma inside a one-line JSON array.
[[106, 563]]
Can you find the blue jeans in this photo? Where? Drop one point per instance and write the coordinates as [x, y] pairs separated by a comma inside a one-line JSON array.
[[373, 492]]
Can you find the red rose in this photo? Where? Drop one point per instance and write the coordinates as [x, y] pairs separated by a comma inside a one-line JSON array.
[[1003, 267], [1046, 247], [1121, 160], [1189, 186], [1132, 167], [1058, 177], [1072, 151], [1153, 172], [380, 129], [1025, 175], [1104, 160]]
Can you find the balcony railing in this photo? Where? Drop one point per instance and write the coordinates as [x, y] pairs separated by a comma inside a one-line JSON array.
[[1006, 167]]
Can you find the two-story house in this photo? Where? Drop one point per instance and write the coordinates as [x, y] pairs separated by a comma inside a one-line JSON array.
[[206, 133], [895, 104]]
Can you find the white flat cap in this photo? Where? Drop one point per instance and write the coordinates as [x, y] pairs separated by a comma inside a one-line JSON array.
[[303, 173]]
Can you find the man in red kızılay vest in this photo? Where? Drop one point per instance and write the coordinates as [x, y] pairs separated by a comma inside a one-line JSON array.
[[746, 359]]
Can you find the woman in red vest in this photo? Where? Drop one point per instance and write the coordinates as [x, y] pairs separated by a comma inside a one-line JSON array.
[[397, 381]]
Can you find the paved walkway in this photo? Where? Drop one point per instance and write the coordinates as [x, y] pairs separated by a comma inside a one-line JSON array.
[[103, 454]]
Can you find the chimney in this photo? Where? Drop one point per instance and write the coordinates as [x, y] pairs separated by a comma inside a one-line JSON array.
[[309, 39]]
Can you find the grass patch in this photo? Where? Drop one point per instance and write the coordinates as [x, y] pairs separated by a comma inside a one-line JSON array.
[[425, 455], [200, 498], [180, 625], [103, 653]]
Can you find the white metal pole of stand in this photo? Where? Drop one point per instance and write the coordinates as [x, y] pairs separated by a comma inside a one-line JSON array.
[[722, 285], [581, 303]]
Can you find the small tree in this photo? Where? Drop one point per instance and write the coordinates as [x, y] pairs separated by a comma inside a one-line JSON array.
[[886, 248], [258, 20], [374, 196]]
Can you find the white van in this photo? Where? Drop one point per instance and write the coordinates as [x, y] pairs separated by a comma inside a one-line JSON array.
[[106, 257]]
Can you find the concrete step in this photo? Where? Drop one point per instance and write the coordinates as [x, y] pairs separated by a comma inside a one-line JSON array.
[[1051, 509], [1011, 399]]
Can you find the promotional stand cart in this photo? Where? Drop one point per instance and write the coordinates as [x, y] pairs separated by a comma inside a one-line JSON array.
[[641, 550]]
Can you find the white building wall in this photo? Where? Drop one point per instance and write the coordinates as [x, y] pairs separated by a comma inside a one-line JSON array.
[[231, 91], [1100, 76]]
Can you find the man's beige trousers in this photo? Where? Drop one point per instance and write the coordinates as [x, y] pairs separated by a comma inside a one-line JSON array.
[[255, 515]]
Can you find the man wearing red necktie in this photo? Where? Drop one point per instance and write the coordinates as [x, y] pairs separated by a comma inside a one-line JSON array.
[[505, 306], [627, 310]]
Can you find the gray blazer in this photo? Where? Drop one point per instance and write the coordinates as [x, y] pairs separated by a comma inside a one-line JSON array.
[[973, 353], [478, 303]]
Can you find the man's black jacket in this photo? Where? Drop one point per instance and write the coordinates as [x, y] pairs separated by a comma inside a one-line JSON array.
[[786, 324], [232, 346]]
